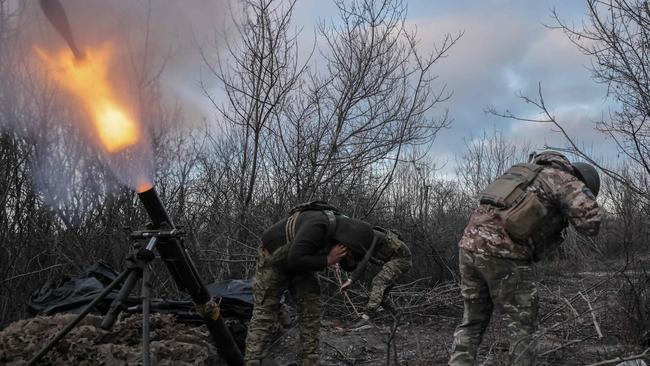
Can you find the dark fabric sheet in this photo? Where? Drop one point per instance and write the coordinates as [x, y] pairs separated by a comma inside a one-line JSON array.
[[69, 294]]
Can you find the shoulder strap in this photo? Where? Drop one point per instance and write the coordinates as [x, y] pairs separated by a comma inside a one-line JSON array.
[[313, 206], [331, 223], [361, 267], [290, 226], [388, 232]]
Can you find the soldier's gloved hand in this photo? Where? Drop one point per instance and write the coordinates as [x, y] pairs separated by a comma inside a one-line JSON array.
[[346, 285], [336, 254]]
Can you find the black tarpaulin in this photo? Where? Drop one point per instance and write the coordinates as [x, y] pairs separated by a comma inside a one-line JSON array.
[[69, 294]]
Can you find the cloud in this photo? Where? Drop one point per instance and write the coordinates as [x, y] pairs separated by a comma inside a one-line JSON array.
[[505, 50], [501, 55]]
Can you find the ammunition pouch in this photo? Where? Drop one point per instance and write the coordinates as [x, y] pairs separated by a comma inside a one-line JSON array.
[[523, 219], [391, 243], [521, 210]]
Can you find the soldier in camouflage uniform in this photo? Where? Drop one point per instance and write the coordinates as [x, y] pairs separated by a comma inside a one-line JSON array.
[[389, 252], [291, 253], [495, 258]]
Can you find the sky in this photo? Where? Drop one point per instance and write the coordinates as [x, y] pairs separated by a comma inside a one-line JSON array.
[[506, 50]]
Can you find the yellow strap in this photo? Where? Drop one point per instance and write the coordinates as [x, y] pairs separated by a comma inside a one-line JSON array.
[[290, 227], [208, 310]]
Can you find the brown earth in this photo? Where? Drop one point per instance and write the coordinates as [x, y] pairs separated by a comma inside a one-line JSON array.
[[87, 344]]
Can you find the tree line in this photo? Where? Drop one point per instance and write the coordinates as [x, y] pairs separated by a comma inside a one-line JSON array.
[[351, 122]]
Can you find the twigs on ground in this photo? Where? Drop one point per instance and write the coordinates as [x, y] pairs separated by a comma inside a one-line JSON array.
[[414, 299], [641, 355], [572, 299], [534, 338], [343, 357], [337, 273], [391, 341], [593, 315], [31, 273], [565, 345]]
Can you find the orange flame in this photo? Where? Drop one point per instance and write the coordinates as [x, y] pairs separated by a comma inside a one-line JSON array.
[[87, 80], [143, 187]]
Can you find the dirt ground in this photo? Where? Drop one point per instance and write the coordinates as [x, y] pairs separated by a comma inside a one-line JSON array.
[[569, 334]]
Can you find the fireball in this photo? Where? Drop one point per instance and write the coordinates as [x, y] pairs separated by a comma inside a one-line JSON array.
[[87, 80]]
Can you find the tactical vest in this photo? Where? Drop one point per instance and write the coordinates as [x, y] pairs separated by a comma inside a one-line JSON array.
[[327, 209], [521, 210], [392, 242], [281, 254]]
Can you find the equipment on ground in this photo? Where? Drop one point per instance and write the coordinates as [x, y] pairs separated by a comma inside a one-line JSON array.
[[166, 239]]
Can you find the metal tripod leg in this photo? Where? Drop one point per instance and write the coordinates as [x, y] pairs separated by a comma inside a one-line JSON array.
[[146, 301], [118, 304], [137, 263], [79, 318]]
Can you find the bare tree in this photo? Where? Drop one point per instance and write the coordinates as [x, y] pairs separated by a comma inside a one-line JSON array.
[[486, 158], [616, 35], [258, 71], [256, 88], [362, 111]]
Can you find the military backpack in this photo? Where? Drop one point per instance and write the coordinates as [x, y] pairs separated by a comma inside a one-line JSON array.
[[520, 209]]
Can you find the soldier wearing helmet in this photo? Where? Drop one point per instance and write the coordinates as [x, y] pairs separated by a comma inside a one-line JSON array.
[[521, 218], [314, 236], [387, 251]]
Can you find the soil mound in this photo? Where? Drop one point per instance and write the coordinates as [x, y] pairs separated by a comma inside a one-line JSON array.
[[172, 343]]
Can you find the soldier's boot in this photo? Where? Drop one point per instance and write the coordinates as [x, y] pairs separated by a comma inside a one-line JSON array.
[[389, 306], [310, 360], [364, 322], [523, 349], [265, 362], [519, 309], [270, 362], [469, 333]]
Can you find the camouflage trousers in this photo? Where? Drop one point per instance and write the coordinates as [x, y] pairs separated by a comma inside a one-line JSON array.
[[508, 284], [268, 285], [399, 264]]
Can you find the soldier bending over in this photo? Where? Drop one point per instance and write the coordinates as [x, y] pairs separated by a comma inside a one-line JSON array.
[[394, 257], [521, 217], [291, 252]]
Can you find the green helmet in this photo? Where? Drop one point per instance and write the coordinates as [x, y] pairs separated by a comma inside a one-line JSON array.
[[588, 175]]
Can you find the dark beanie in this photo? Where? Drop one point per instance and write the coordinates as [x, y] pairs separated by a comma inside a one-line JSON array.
[[353, 233]]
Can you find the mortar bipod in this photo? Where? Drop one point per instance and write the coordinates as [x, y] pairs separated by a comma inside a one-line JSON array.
[[138, 267]]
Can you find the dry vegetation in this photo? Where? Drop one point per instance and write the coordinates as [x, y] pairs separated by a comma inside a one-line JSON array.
[[354, 129]]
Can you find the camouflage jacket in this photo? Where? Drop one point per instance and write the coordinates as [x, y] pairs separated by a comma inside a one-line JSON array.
[[385, 249], [566, 199]]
